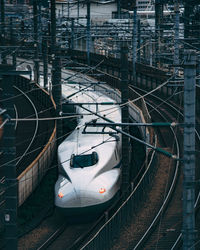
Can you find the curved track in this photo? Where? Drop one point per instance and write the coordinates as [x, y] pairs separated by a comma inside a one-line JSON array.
[[61, 234], [166, 224], [166, 234], [31, 136], [26, 130]]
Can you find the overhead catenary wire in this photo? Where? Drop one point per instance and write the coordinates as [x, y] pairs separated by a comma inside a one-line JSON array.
[[113, 108], [110, 139]]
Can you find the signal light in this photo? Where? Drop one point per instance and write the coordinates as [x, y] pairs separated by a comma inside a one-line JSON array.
[[102, 190], [60, 195]]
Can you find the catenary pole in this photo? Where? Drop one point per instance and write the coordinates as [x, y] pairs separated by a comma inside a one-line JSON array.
[[72, 33], [119, 9], [36, 57], [158, 18], [138, 41], [88, 32], [53, 25], [134, 41], [78, 6], [189, 151], [57, 90], [176, 36], [125, 116], [2, 37], [45, 61], [198, 69], [9, 156]]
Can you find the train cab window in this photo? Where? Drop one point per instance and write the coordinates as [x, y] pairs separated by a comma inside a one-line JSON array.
[[82, 161]]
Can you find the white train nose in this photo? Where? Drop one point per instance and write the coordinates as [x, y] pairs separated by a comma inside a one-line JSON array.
[[77, 198]]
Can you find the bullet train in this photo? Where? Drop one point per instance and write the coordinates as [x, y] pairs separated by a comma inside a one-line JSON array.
[[89, 163]]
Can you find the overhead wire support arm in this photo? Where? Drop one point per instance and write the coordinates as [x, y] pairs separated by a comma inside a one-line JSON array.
[[160, 150], [155, 124], [92, 103]]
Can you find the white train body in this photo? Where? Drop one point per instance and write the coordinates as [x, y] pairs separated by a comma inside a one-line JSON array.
[[89, 164]]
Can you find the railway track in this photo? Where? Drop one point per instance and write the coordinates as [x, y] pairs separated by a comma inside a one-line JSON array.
[[26, 134], [61, 238], [61, 235], [164, 231], [167, 220], [31, 136], [26, 130]]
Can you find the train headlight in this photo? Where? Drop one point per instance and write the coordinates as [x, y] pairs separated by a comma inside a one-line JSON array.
[[60, 195], [102, 190]]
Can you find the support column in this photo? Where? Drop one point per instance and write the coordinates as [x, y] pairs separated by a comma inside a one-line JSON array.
[[138, 41], [45, 62], [188, 10], [53, 25], [72, 33], [78, 13], [125, 116], [198, 69], [9, 158], [119, 9], [158, 18], [40, 26], [36, 59], [88, 32], [2, 37], [134, 41], [57, 91], [176, 36], [189, 151], [150, 51]]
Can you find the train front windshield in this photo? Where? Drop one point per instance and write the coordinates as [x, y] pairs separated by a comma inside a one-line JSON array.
[[82, 161]]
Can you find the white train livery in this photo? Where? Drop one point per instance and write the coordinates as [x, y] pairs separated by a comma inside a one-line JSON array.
[[89, 164]]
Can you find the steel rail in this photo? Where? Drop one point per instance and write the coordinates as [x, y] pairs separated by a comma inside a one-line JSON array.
[[53, 236], [16, 116], [177, 242], [167, 198], [59, 230], [107, 222], [36, 127]]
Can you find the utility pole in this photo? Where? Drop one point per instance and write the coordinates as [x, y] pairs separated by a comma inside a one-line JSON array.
[[57, 91], [189, 150], [125, 116], [134, 41], [36, 59], [88, 32], [68, 9], [53, 25], [158, 18], [9, 158], [139, 41], [14, 60], [2, 18], [150, 51], [2, 37], [119, 9], [188, 9], [198, 69], [72, 33], [45, 61], [78, 6], [176, 36], [39, 26]]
